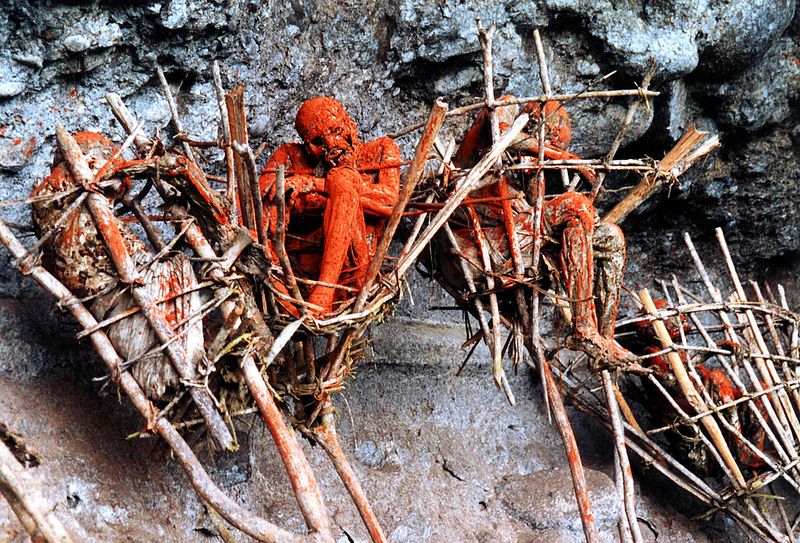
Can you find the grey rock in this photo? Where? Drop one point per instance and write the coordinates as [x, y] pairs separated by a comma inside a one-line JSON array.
[[30, 60], [545, 502], [634, 32], [11, 88], [734, 35], [761, 95], [15, 153], [176, 15], [77, 43], [109, 35]]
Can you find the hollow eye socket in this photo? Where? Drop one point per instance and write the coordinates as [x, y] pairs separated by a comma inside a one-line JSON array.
[[318, 141]]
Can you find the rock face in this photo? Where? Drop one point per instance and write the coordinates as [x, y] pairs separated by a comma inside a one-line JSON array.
[[731, 67]]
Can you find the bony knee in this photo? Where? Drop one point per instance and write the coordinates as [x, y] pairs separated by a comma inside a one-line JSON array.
[[610, 236], [342, 180]]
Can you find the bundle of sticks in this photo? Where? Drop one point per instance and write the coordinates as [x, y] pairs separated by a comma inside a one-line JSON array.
[[273, 356], [719, 414], [194, 347], [726, 410], [491, 229]]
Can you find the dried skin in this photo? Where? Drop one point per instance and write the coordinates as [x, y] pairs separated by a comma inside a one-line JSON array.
[[77, 254], [133, 336]]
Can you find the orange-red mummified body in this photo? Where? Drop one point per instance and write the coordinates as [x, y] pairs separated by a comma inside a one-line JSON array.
[[715, 381], [568, 218], [339, 194]]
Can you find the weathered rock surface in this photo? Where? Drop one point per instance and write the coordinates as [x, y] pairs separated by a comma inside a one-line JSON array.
[[448, 444]]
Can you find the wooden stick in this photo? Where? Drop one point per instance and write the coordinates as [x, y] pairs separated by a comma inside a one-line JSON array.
[[231, 179], [524, 100], [280, 235], [536, 192], [499, 374], [625, 473], [301, 477], [747, 397], [785, 447], [690, 393], [127, 120], [544, 76], [244, 184], [26, 501], [246, 152], [299, 471], [411, 178], [626, 122], [571, 448], [787, 372], [325, 435], [173, 110], [676, 161]]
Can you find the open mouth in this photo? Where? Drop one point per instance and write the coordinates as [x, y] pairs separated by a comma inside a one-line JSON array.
[[334, 155]]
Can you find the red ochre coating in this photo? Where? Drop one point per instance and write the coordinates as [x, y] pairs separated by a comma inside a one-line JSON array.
[[570, 218], [715, 381], [77, 254], [340, 192]]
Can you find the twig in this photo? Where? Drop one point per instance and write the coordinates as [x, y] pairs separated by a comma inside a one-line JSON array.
[[127, 120], [219, 524], [300, 475], [626, 123], [150, 230], [498, 372], [246, 152], [244, 183], [411, 178], [544, 76], [676, 161], [789, 452], [24, 496], [325, 435], [231, 190], [541, 98], [571, 448], [535, 191], [626, 476], [280, 235], [173, 110], [691, 395], [299, 471]]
